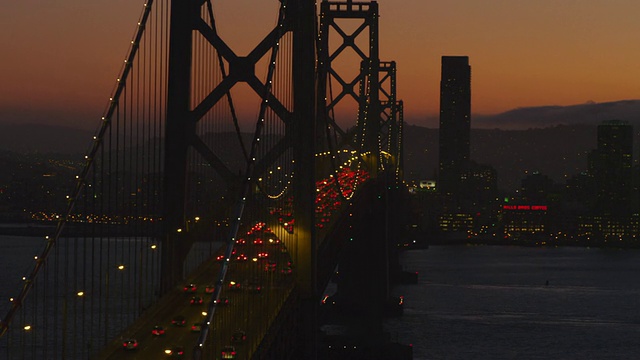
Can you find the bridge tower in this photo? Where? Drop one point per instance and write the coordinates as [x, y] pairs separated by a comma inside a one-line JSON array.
[[180, 131], [195, 83], [364, 268], [363, 87], [298, 19], [187, 20]]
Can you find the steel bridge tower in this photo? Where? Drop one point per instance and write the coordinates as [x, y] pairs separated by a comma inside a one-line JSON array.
[[363, 88], [305, 111], [368, 259], [186, 20]]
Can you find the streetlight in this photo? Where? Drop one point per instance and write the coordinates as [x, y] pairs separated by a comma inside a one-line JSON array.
[[78, 294]]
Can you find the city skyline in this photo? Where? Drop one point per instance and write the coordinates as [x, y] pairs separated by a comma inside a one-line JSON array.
[[64, 56]]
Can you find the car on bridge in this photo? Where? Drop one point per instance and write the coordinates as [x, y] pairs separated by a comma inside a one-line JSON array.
[[196, 300], [234, 285], [209, 289], [238, 336], [175, 351], [157, 330], [178, 320], [130, 344], [196, 327], [190, 288], [223, 301], [270, 266], [228, 352]]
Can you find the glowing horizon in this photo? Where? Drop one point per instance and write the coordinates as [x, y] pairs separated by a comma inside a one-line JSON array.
[[62, 58]]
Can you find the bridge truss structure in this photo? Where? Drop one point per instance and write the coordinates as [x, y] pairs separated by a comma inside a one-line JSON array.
[[172, 178]]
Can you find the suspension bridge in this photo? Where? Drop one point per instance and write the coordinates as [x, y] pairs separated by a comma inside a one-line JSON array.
[[185, 235]]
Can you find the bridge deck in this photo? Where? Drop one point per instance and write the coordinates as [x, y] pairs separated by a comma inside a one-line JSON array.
[[247, 310]]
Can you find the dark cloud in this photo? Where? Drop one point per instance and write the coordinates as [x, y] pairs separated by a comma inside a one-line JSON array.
[[546, 116]]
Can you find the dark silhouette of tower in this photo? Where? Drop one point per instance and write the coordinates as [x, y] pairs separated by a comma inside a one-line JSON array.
[[611, 167], [455, 122]]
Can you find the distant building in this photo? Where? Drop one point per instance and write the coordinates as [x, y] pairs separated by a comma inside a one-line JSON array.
[[525, 222], [478, 194], [455, 122], [455, 226], [606, 230], [536, 187], [611, 167], [478, 184]]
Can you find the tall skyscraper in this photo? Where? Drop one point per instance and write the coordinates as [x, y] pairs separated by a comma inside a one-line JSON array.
[[455, 122], [611, 167]]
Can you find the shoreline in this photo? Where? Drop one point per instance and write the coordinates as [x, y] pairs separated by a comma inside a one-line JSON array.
[[635, 244]]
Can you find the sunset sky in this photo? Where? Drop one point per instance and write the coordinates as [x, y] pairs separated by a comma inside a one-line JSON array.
[[60, 58]]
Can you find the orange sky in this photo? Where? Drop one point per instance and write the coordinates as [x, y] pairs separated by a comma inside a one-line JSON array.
[[60, 58]]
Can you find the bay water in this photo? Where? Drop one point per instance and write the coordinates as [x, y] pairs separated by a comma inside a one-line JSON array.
[[503, 302], [487, 302]]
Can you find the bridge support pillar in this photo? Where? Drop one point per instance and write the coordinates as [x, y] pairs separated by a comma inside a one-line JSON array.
[[363, 279], [303, 135], [365, 275], [179, 132]]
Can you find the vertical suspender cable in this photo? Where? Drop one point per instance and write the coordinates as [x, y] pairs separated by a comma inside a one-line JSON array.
[[239, 209]]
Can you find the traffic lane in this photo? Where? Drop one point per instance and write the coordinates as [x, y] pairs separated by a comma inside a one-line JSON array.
[[152, 347], [155, 346]]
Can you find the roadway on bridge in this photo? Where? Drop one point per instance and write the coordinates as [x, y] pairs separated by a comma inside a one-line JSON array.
[[248, 310]]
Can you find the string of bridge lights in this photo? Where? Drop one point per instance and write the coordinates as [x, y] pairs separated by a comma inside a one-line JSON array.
[[249, 170], [81, 179], [106, 121]]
